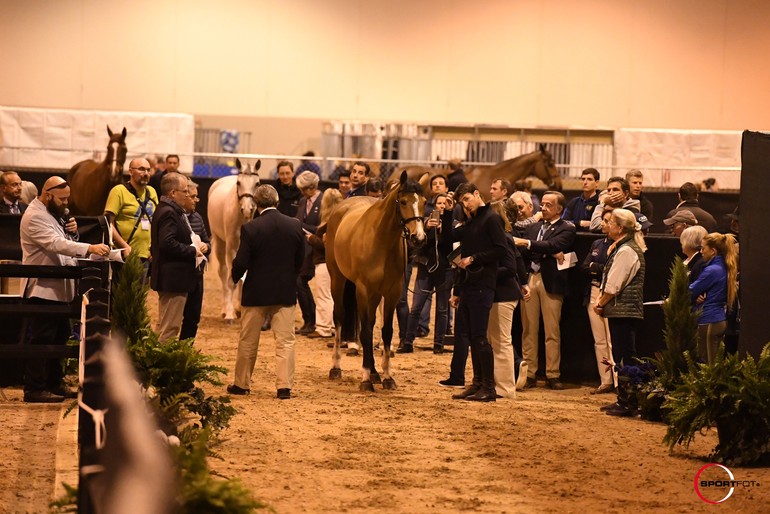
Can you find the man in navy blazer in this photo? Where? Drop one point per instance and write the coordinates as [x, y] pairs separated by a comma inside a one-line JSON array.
[[547, 284], [271, 253], [173, 273], [309, 215]]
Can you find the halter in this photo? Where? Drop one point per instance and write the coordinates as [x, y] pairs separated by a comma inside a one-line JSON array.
[[403, 221]]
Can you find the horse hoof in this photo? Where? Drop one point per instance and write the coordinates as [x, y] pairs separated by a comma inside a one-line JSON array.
[[335, 374], [366, 387], [389, 384], [375, 378]]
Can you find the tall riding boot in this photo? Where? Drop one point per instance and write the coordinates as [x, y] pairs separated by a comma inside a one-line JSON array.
[[486, 392], [474, 387]]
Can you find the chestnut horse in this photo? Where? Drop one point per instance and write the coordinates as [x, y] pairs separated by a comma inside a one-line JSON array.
[[539, 163], [366, 258], [231, 205], [91, 181]]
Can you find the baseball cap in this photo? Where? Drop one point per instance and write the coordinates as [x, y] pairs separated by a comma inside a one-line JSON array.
[[682, 216], [642, 220]]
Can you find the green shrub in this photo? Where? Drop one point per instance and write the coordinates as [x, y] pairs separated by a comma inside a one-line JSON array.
[[202, 492], [129, 300], [732, 394]]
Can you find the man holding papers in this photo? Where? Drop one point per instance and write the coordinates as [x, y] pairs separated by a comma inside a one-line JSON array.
[[545, 240], [173, 272]]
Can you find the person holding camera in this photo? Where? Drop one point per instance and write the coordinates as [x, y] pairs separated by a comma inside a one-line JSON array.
[[433, 272]]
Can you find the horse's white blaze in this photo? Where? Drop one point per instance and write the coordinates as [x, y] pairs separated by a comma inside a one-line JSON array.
[[114, 162], [416, 213]]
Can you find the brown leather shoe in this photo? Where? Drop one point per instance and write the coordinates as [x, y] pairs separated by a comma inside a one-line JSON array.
[[555, 384], [315, 335], [234, 389], [42, 397], [604, 389]]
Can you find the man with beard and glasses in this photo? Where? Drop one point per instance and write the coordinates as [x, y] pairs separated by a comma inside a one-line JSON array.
[[130, 208], [49, 237]]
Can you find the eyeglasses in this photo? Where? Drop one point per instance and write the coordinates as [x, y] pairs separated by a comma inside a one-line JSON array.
[[142, 169], [58, 186]]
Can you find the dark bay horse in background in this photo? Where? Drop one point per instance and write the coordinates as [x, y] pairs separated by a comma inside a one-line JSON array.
[[539, 163], [91, 181], [366, 258]]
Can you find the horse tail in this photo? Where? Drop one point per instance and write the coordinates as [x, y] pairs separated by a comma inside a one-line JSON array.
[[350, 320]]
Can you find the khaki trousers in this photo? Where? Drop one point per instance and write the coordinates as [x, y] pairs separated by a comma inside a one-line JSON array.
[[499, 334], [550, 305], [324, 304], [283, 329], [170, 314], [709, 337], [602, 341]]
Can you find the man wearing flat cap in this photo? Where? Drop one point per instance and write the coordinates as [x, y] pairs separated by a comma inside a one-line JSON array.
[[679, 221]]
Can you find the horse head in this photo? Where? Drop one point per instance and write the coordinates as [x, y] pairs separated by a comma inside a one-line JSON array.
[[410, 204], [246, 187], [546, 170], [116, 154]]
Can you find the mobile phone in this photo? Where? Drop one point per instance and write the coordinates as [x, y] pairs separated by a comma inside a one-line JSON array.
[[435, 214]]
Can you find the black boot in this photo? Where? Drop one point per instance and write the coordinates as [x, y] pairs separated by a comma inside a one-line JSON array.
[[474, 387], [486, 392]]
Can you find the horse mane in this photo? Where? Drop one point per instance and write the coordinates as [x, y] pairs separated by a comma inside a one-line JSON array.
[[330, 199]]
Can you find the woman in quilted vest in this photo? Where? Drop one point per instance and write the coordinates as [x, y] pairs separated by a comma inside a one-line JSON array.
[[621, 300]]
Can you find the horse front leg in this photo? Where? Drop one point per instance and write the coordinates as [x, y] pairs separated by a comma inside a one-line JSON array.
[[335, 373], [367, 312], [223, 270], [387, 337]]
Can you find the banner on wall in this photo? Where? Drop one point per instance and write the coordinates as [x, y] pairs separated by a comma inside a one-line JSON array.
[[59, 138], [678, 150]]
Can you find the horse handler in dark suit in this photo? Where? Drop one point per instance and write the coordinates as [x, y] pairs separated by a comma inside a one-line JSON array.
[[271, 254], [173, 273], [545, 241]]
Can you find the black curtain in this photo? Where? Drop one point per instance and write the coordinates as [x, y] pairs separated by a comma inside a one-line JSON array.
[[755, 242]]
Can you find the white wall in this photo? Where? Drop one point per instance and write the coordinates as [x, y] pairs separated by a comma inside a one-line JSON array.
[[694, 64]]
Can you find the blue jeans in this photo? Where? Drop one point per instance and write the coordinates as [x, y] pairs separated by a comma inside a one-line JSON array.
[[423, 290]]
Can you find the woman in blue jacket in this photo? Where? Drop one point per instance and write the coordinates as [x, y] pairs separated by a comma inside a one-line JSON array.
[[718, 287]]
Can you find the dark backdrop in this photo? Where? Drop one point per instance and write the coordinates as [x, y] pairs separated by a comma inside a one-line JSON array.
[[755, 242]]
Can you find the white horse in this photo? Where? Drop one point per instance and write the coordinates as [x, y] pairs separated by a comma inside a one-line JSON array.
[[231, 204]]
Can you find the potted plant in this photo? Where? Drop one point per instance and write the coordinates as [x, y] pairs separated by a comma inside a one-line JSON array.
[[731, 394]]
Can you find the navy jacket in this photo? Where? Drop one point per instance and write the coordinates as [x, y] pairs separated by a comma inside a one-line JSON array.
[[272, 250], [173, 257], [559, 237], [482, 237]]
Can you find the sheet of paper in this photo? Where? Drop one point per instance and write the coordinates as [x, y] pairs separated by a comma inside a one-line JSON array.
[[197, 243], [115, 255], [570, 260]]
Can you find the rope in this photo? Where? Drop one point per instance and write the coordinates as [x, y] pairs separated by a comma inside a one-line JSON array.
[[98, 416]]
